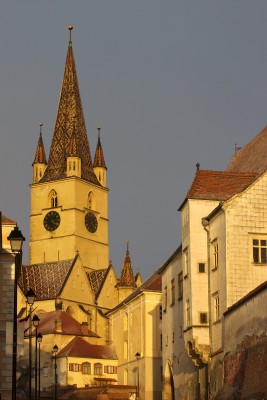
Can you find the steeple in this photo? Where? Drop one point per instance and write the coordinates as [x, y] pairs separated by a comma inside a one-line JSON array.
[[69, 113], [127, 277], [100, 168], [39, 164]]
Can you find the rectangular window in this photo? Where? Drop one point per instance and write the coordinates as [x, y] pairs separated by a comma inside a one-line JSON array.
[[259, 251], [110, 369], [98, 369], [74, 367], [172, 292], [203, 318], [185, 257], [180, 286], [160, 312], [187, 313], [201, 268], [216, 307], [215, 254], [165, 299]]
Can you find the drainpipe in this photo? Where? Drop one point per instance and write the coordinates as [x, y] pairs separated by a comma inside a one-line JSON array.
[[205, 224]]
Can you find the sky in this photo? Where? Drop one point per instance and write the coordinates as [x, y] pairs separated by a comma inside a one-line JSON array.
[[172, 83]]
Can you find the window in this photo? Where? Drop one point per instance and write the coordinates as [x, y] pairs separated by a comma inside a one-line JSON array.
[[187, 313], [110, 369], [53, 199], [74, 367], [259, 251], [172, 292], [185, 257], [203, 318], [160, 312], [201, 268], [216, 307], [165, 299], [86, 368], [180, 286], [215, 254], [90, 201], [98, 368]]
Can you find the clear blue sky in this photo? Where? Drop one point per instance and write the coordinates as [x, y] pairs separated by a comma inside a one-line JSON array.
[[172, 83]]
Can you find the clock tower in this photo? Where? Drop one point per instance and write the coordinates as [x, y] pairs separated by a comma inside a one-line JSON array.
[[69, 197]]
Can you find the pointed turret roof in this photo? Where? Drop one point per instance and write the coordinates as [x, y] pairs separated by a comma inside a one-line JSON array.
[[40, 157], [70, 113], [99, 160], [127, 276]]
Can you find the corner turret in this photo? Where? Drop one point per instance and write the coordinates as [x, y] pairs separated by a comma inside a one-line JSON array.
[[126, 284], [39, 164]]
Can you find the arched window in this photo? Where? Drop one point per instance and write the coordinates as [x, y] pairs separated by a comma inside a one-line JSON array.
[[125, 377], [53, 199], [86, 368], [91, 201], [125, 349], [98, 369]]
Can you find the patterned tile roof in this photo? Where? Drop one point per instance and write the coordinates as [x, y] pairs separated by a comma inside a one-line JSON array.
[[218, 185], [61, 322], [127, 278], [78, 347], [99, 160], [40, 157], [252, 157], [47, 280], [70, 113], [96, 279]]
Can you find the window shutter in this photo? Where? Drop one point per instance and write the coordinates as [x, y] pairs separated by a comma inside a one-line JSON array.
[[80, 367], [71, 367], [115, 370], [105, 369]]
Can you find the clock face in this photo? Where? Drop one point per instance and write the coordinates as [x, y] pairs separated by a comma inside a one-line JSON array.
[[51, 221], [91, 222]]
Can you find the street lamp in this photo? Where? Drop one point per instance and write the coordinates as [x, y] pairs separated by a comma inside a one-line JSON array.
[[39, 340], [55, 350], [16, 240], [35, 322], [30, 295], [138, 356]]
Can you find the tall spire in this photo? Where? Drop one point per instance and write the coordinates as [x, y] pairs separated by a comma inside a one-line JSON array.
[[69, 113], [127, 276], [99, 160], [40, 157]]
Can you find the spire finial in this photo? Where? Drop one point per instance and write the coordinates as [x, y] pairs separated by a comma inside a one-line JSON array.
[[41, 124], [70, 27], [198, 166], [98, 130], [127, 251]]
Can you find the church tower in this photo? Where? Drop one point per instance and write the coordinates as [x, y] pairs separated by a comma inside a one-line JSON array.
[[69, 203]]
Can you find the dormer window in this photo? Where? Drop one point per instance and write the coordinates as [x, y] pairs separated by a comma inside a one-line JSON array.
[[91, 204]]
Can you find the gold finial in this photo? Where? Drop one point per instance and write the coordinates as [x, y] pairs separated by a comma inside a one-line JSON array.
[[70, 27]]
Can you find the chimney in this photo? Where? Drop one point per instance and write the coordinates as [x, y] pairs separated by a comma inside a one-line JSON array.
[[84, 328], [58, 325]]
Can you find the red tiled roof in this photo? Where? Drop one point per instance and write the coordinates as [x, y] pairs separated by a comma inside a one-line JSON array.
[[218, 185], [252, 157], [47, 280], [7, 221], [51, 321], [78, 347]]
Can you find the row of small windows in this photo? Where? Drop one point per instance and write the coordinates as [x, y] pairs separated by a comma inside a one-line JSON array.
[[53, 200], [86, 368]]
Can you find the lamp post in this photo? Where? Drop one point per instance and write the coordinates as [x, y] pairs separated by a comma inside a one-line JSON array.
[[30, 295], [16, 240], [39, 340], [138, 356], [35, 322], [55, 350]]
